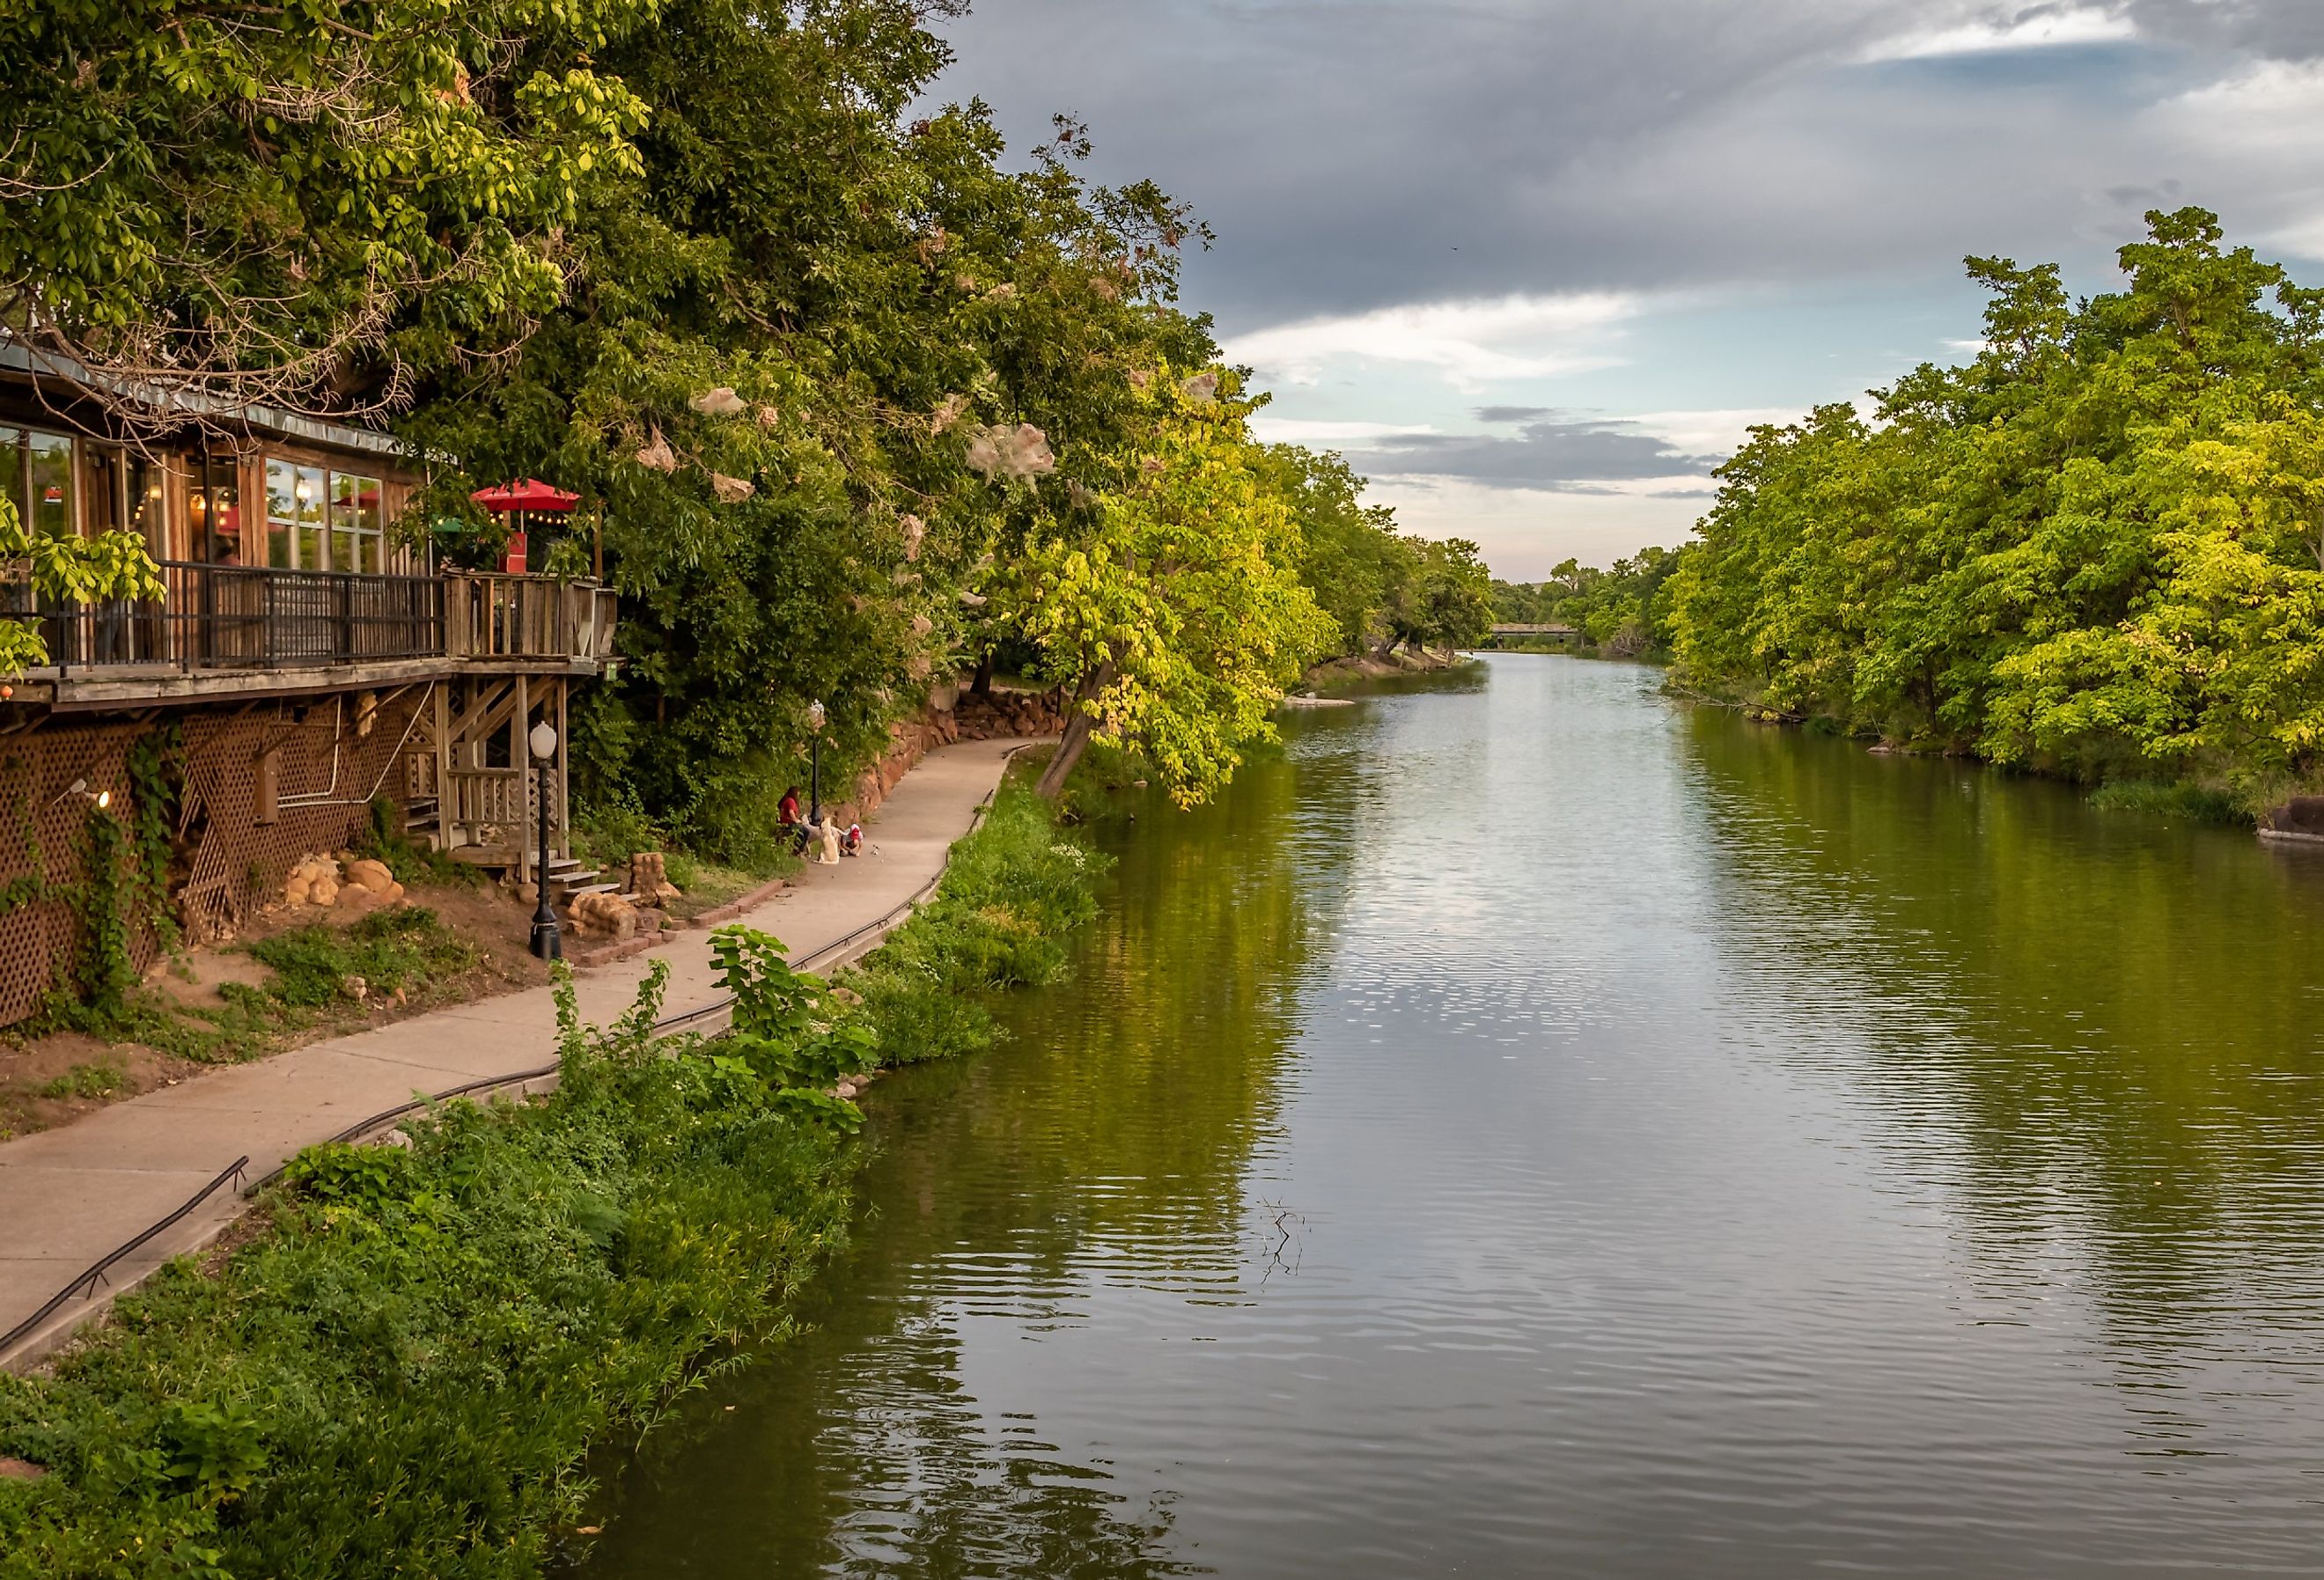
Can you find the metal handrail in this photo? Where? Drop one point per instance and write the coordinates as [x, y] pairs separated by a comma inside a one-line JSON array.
[[97, 1269], [234, 617]]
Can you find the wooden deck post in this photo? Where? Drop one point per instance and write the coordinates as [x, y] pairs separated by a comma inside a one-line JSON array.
[[564, 775], [521, 756]]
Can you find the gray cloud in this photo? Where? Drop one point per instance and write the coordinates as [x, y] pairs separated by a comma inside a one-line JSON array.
[[1570, 456], [1511, 414], [1357, 154], [2284, 30]]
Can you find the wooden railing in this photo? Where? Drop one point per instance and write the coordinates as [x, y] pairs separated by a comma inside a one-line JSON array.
[[498, 798], [230, 617], [528, 617]]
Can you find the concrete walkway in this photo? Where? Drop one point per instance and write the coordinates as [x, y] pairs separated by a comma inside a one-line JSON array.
[[71, 1196]]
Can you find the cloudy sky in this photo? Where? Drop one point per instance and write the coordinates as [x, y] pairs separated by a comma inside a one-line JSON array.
[[1534, 264]]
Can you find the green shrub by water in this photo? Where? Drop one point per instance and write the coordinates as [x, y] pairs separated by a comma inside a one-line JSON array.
[[402, 1373], [1016, 889], [2184, 801]]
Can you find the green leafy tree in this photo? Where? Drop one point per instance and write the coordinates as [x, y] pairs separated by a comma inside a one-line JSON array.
[[1448, 600], [300, 203], [68, 570], [1170, 608], [1351, 556], [2097, 548]]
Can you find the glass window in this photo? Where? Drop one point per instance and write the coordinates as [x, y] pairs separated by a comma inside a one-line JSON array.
[[101, 466], [148, 512], [356, 523], [295, 516], [12, 469], [216, 504], [49, 477]]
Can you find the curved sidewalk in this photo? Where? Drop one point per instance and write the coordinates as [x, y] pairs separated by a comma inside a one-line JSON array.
[[69, 1197]]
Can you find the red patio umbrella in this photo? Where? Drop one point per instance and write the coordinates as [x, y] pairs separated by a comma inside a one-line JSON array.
[[528, 498], [531, 495]]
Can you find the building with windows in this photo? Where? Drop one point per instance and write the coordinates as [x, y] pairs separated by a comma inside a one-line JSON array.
[[307, 660]]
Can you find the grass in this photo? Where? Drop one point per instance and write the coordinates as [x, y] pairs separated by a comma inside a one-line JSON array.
[[407, 950], [390, 951], [1013, 892], [404, 1373], [86, 1080], [2181, 800]]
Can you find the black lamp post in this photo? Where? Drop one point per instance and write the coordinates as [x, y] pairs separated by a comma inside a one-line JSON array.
[[546, 943], [815, 717]]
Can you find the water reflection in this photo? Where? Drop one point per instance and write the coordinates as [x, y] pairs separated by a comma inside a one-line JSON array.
[[1535, 1128], [2097, 1037], [1095, 1169]]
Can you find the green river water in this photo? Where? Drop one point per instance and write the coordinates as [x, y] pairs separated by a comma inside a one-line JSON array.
[[1534, 1128]]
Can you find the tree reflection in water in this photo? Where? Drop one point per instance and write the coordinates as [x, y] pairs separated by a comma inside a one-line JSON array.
[[1104, 1152]]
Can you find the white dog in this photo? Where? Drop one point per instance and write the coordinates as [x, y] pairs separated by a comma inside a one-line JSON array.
[[828, 851]]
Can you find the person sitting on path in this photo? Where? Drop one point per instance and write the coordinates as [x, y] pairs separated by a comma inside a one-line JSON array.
[[787, 814]]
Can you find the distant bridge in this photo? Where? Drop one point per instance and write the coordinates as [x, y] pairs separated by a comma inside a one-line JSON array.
[[1565, 635]]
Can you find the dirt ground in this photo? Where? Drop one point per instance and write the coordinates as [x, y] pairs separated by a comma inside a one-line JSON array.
[[51, 1081], [54, 1080]]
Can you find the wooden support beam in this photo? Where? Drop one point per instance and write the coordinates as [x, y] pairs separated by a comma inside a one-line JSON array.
[[564, 773], [521, 756]]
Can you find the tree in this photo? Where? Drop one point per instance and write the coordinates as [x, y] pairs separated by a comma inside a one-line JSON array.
[[1448, 602], [1351, 556], [304, 204], [2097, 548], [799, 348], [1170, 608]]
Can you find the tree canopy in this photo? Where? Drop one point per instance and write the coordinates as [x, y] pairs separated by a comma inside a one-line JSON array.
[[837, 377], [2099, 547]]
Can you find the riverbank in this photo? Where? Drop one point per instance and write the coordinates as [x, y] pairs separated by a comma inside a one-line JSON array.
[[1384, 666], [401, 1362], [69, 1197]]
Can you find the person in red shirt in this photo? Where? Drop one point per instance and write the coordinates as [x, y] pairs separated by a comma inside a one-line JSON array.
[[788, 815]]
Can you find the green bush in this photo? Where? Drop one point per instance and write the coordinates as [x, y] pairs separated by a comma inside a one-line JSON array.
[[1014, 891], [403, 1375], [389, 949], [2184, 800]]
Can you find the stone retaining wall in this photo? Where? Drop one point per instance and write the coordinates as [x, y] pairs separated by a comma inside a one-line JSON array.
[[951, 714]]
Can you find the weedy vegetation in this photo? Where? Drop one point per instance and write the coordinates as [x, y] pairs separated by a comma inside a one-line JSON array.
[[402, 1372]]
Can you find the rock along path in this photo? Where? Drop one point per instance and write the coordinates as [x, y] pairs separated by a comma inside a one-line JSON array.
[[68, 1197]]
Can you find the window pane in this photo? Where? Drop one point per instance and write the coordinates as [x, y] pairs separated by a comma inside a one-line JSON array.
[[12, 467], [217, 513], [148, 515], [355, 522], [314, 518], [282, 512], [296, 514], [49, 459]]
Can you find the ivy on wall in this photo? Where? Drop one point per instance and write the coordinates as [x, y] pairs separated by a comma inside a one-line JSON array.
[[122, 889]]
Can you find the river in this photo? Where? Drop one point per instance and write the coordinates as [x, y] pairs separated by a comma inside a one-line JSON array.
[[1533, 1127]]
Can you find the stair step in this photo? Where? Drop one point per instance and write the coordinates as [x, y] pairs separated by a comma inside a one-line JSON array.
[[591, 889]]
